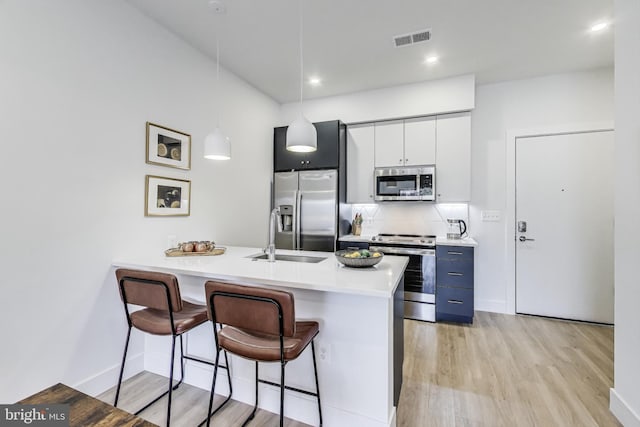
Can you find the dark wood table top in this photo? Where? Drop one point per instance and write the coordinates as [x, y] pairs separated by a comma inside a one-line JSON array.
[[85, 410]]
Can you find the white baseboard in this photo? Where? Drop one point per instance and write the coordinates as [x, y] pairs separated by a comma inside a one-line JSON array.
[[108, 378], [493, 306], [622, 411], [393, 419]]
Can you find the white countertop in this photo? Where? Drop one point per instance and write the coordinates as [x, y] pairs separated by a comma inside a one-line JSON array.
[[467, 241], [328, 275]]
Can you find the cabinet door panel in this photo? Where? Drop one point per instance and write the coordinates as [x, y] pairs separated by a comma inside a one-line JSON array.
[[454, 274], [360, 155], [389, 143], [326, 156], [420, 141], [454, 253], [454, 301], [284, 160], [453, 157]]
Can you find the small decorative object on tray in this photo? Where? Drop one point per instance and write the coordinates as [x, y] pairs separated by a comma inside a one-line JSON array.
[[358, 257], [192, 248]]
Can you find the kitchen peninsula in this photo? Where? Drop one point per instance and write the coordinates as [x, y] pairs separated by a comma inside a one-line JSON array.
[[359, 348]]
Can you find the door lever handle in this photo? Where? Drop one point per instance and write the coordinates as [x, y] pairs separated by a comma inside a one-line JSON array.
[[523, 239]]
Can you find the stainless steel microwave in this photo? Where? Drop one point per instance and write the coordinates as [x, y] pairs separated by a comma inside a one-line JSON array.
[[405, 183]]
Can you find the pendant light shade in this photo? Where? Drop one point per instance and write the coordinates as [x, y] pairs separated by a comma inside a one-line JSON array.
[[301, 134], [217, 146]]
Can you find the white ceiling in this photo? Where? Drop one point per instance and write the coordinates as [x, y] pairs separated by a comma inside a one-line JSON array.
[[348, 43]]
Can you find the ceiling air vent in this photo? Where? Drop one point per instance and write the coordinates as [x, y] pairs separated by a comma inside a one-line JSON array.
[[409, 39]]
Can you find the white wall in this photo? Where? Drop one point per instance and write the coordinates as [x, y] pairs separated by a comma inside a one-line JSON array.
[[551, 101], [625, 398], [540, 103], [78, 81], [430, 97], [408, 217]]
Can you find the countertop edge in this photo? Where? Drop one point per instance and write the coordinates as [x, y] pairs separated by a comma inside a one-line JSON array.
[[157, 264]]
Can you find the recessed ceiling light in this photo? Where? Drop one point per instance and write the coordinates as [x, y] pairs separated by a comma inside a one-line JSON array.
[[217, 7], [599, 27], [431, 59], [315, 81]]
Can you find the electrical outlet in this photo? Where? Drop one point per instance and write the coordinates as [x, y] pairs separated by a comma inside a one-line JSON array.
[[172, 241], [489, 216], [324, 353]]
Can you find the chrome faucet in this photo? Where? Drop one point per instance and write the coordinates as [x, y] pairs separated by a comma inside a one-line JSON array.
[[274, 219]]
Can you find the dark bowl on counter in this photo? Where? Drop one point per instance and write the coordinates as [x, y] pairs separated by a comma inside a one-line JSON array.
[[357, 262]]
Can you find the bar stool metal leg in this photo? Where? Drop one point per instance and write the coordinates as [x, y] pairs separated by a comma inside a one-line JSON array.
[[175, 387], [315, 372], [282, 365], [171, 386], [213, 387], [124, 357], [173, 352]]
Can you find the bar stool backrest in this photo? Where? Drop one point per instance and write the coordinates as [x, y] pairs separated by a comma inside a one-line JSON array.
[[251, 308], [149, 289]]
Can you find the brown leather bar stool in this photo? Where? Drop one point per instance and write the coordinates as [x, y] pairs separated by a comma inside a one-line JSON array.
[[165, 313], [259, 324]]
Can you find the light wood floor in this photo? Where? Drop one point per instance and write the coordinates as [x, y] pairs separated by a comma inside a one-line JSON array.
[[189, 405], [501, 371], [507, 371]]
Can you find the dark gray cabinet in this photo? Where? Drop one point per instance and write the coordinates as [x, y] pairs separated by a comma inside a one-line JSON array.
[[398, 340], [331, 152], [454, 284], [353, 245]]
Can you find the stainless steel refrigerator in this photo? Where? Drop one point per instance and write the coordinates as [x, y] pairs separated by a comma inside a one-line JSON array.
[[309, 209]]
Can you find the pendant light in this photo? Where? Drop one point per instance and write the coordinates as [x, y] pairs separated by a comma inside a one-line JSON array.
[[216, 145], [301, 134]]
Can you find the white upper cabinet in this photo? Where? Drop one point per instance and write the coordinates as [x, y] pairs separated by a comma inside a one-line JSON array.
[[443, 140], [420, 141], [389, 143], [406, 142], [453, 157], [360, 154]]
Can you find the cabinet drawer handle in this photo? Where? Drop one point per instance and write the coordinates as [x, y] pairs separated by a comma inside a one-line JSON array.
[[455, 301], [455, 274], [454, 253]]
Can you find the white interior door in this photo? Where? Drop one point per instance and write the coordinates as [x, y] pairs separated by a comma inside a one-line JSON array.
[[564, 194]]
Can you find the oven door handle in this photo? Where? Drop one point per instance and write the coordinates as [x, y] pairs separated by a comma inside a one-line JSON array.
[[402, 251]]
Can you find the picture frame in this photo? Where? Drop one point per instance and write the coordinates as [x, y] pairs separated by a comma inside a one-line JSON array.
[[167, 196], [168, 147]]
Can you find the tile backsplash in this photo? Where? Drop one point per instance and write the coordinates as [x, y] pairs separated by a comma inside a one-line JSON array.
[[409, 217]]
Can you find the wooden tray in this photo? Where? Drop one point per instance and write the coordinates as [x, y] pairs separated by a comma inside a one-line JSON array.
[[178, 252]]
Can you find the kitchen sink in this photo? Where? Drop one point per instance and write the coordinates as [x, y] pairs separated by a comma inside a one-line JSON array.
[[293, 258]]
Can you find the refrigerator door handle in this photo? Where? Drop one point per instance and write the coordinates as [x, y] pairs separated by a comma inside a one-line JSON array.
[[298, 216]]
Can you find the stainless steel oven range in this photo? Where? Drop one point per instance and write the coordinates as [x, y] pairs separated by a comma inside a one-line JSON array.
[[420, 274]]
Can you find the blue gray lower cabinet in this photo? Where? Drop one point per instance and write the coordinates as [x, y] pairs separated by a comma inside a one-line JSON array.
[[454, 284]]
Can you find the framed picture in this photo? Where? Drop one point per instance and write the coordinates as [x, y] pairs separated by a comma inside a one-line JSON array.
[[167, 196], [168, 147]]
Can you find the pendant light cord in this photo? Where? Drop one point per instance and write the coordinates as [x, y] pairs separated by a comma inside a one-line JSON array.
[[301, 57], [217, 79]]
